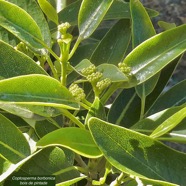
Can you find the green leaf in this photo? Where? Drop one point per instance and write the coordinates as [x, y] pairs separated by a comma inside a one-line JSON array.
[[125, 110], [44, 127], [169, 124], [160, 50], [49, 10], [137, 154], [142, 27], [20, 23], [113, 46], [14, 63], [33, 9], [118, 10], [173, 97], [36, 90], [121, 9], [112, 72], [90, 15], [4, 164], [13, 150], [165, 75], [76, 139], [166, 26]]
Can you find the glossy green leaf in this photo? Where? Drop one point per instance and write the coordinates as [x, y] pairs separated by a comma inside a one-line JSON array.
[[164, 78], [33, 9], [49, 10], [125, 110], [8, 37], [173, 97], [118, 10], [112, 72], [14, 63], [4, 164], [76, 139], [137, 154], [166, 26], [142, 27], [121, 9], [24, 90], [160, 49], [149, 124], [13, 150], [113, 46], [20, 23], [90, 15], [169, 124], [44, 127]]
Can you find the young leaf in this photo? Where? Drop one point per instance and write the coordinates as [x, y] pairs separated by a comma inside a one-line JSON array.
[[112, 72], [39, 90], [169, 124], [113, 46], [49, 10], [16, 63], [137, 154], [20, 23], [76, 139], [13, 145], [90, 15], [161, 49]]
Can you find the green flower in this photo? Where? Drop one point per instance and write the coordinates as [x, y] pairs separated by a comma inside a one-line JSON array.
[[124, 68], [89, 70], [94, 77], [101, 85], [77, 92]]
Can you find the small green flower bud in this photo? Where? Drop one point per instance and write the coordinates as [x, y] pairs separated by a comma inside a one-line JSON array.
[[89, 70], [63, 28], [94, 77], [101, 85], [77, 92], [124, 68]]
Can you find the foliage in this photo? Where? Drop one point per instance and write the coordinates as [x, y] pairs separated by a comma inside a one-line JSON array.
[[82, 93]]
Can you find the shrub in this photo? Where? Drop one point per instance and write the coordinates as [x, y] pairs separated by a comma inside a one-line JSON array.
[[82, 94]]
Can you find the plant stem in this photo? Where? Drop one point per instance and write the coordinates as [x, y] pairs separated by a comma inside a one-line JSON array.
[[78, 41], [143, 99], [72, 118], [81, 162], [52, 68]]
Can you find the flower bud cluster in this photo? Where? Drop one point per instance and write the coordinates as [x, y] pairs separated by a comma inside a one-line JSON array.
[[77, 92], [124, 68], [63, 28], [89, 70], [94, 77], [101, 85]]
